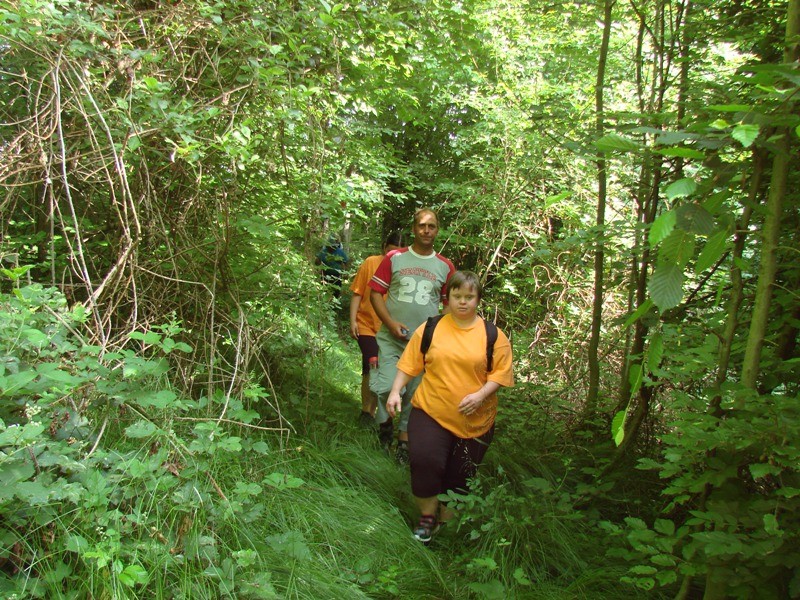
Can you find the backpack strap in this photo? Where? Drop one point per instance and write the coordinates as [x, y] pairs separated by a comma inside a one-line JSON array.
[[491, 338], [427, 334]]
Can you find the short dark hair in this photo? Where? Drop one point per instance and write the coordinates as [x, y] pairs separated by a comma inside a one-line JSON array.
[[396, 238], [462, 279], [423, 211]]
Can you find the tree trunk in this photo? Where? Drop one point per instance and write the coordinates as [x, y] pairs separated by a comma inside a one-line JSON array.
[[599, 255]]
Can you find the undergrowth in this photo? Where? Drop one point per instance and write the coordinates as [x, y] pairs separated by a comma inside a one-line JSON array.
[[118, 486]]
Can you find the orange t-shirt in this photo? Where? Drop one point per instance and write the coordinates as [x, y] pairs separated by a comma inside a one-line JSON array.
[[367, 320], [455, 365]]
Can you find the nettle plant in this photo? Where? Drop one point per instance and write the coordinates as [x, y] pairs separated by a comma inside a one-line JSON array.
[[97, 493]]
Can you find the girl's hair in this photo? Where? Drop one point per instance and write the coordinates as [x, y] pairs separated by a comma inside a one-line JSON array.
[[396, 238], [464, 279]]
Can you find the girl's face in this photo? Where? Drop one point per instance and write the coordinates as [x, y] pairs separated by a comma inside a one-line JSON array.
[[463, 302], [389, 247]]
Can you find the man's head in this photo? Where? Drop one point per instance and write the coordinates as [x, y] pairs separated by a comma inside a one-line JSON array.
[[426, 226]]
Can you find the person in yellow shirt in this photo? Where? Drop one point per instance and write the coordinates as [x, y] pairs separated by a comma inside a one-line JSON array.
[[454, 408], [364, 323]]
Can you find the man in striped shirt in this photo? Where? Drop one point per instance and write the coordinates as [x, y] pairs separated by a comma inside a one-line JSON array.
[[414, 280]]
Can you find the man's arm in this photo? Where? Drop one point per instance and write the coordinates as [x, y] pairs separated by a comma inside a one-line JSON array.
[[394, 327]]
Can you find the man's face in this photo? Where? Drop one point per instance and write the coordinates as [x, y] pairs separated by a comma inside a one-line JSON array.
[[425, 230]]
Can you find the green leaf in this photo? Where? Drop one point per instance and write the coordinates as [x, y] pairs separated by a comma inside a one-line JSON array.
[[32, 492], [662, 227], [644, 570], [681, 188], [76, 543], [613, 142], [140, 429], [491, 590], [664, 526], [618, 426], [639, 313], [159, 399], [520, 577], [693, 217], [133, 574], [764, 469], [291, 543], [682, 153], [771, 525], [282, 481], [655, 352], [14, 383], [719, 543], [712, 251], [731, 107], [667, 577], [746, 134], [666, 286], [635, 378], [678, 248], [150, 337]]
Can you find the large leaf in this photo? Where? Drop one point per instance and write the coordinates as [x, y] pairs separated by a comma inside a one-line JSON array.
[[679, 189], [712, 251], [662, 227], [693, 217], [616, 143], [666, 286], [746, 134], [678, 248]]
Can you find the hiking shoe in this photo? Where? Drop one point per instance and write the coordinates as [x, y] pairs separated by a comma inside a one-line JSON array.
[[401, 453], [366, 420], [425, 529], [386, 435]]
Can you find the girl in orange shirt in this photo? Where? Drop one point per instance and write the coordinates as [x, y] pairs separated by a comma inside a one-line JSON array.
[[454, 407]]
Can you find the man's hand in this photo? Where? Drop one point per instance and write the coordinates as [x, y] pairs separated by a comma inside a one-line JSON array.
[[400, 331]]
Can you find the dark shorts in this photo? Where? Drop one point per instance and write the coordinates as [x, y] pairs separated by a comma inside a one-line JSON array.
[[369, 348], [441, 461]]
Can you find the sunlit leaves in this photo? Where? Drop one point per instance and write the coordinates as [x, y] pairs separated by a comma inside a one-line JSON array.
[[746, 134]]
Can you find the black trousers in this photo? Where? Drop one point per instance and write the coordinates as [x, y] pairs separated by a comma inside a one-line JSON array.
[[440, 460]]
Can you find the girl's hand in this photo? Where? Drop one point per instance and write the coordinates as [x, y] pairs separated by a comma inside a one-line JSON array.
[[471, 403], [394, 403], [354, 331]]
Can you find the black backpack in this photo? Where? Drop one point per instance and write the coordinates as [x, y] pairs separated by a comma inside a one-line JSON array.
[[491, 338]]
